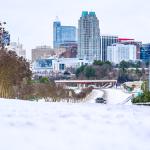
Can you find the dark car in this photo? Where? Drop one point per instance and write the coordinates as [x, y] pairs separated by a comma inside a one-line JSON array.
[[100, 100]]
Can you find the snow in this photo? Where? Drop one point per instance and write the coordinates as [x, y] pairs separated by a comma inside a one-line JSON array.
[[113, 96], [76, 89], [60, 126], [116, 96], [93, 95]]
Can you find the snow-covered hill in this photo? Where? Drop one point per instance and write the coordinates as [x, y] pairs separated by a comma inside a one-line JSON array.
[[60, 126]]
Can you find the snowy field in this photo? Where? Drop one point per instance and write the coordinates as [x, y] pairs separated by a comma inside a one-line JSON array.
[[60, 126]]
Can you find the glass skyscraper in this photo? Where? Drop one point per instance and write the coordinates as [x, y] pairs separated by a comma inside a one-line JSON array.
[[63, 34], [105, 41], [145, 52], [88, 36]]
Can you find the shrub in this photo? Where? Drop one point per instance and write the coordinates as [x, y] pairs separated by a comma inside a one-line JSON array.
[[143, 98], [44, 80]]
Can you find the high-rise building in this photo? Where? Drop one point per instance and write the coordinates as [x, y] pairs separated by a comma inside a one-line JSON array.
[[118, 52], [88, 36], [18, 48], [63, 34], [105, 41], [145, 52], [128, 41]]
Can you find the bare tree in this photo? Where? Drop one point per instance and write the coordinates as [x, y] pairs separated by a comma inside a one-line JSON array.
[[13, 71]]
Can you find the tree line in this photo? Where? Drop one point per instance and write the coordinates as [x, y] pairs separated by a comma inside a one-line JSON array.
[[16, 82], [123, 72]]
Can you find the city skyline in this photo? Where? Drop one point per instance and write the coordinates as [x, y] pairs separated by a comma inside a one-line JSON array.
[[32, 21]]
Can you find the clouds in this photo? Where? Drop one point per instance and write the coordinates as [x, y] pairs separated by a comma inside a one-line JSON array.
[[31, 20]]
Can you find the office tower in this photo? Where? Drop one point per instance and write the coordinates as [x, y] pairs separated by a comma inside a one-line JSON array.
[[105, 41], [88, 36], [119, 52], [63, 34], [145, 52]]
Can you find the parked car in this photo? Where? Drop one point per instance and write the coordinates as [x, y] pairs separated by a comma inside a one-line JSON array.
[[100, 100]]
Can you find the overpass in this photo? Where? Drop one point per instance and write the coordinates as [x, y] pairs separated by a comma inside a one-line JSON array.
[[86, 83]]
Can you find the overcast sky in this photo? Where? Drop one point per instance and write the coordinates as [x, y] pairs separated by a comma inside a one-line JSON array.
[[32, 20]]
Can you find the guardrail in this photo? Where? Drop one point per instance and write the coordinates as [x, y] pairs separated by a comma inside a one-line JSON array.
[[144, 104], [127, 100]]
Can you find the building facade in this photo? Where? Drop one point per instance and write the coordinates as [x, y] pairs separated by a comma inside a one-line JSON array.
[[4, 35], [119, 52], [52, 66], [105, 41], [145, 52], [41, 52], [71, 50], [130, 41], [88, 36], [63, 34], [18, 48]]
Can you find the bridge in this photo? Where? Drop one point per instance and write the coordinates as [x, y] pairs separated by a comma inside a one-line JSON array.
[[87, 83]]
